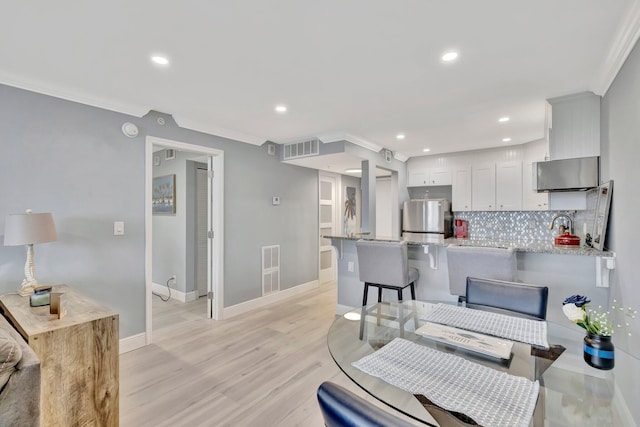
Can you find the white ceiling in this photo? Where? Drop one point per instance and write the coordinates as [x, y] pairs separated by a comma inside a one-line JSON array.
[[368, 68]]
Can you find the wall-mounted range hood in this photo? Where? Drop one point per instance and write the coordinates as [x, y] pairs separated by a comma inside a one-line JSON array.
[[578, 174]]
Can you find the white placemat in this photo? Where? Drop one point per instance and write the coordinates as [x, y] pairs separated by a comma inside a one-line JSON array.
[[528, 331], [489, 397]]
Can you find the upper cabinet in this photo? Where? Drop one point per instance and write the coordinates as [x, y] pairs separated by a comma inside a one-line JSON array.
[[416, 178], [531, 199], [491, 181], [426, 177], [509, 186], [575, 126], [574, 132], [461, 189], [483, 187]]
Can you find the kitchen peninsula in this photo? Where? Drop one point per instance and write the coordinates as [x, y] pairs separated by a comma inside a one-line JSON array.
[[566, 271]]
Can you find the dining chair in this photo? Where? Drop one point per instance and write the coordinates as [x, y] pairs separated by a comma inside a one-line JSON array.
[[477, 261], [497, 295], [341, 408]]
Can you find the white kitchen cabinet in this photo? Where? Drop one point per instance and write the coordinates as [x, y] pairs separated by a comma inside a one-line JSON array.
[[427, 177], [440, 176], [417, 179], [575, 128], [483, 187], [509, 186], [461, 189], [531, 199]]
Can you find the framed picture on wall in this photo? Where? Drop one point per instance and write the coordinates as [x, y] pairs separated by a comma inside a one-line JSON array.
[[163, 195], [350, 211]]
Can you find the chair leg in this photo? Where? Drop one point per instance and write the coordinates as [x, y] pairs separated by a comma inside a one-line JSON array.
[[379, 307], [400, 295], [401, 315], [413, 291], [366, 292], [363, 315]]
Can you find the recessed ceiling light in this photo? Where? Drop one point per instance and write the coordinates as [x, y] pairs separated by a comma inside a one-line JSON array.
[[353, 171], [449, 56], [400, 136], [503, 119], [426, 150], [160, 60], [506, 139], [281, 109]]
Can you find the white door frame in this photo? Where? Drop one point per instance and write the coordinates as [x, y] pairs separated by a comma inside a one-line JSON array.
[[215, 281]]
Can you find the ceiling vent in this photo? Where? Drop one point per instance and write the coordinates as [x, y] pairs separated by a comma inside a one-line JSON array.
[[296, 150]]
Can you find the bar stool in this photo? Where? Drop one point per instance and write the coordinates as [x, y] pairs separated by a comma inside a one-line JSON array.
[[477, 261], [385, 265]]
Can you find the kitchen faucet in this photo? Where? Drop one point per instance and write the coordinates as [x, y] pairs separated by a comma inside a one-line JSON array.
[[562, 227]]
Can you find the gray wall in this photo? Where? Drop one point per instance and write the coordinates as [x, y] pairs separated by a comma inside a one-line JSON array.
[[620, 150], [73, 160]]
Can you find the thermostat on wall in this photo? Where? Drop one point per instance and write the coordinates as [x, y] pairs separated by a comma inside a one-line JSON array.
[[275, 201]]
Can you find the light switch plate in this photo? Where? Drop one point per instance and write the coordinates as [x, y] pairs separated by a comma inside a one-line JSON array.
[[118, 228], [275, 201]]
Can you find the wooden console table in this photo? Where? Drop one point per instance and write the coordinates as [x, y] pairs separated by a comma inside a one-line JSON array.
[[78, 355]]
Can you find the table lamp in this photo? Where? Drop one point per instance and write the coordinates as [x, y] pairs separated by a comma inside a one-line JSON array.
[[26, 229]]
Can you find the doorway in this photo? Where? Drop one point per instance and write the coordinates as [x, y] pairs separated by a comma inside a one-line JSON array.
[[214, 209], [329, 214], [387, 216]]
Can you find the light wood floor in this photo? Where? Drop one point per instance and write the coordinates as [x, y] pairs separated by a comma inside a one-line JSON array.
[[259, 369]]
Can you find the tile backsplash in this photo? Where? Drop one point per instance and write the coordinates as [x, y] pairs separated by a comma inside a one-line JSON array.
[[522, 226]]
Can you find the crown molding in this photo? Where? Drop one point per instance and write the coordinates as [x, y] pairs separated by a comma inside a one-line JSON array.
[[345, 136], [625, 40], [210, 129], [118, 107], [399, 156], [70, 95]]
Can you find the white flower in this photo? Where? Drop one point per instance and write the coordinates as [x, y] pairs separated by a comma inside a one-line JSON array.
[[573, 313]]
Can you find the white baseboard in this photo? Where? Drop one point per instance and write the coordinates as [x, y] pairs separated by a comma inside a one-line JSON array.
[[133, 342], [159, 289], [253, 304]]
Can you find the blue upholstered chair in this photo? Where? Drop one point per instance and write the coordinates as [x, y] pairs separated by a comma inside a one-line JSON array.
[[496, 295], [341, 408], [476, 261]]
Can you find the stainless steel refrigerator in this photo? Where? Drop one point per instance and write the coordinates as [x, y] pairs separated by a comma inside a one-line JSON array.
[[427, 216]]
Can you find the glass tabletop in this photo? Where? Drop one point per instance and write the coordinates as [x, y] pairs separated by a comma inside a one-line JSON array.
[[571, 392]]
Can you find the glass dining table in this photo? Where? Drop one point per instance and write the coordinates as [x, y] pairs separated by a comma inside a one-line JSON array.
[[570, 391]]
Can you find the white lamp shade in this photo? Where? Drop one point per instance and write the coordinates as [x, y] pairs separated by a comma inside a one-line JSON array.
[[28, 228]]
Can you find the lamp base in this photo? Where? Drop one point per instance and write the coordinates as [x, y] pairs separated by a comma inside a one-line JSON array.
[[27, 287]]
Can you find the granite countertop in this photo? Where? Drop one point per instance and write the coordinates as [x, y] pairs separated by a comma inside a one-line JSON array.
[[520, 246]]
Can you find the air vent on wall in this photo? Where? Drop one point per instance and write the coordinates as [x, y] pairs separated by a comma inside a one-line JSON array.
[[306, 148], [270, 269]]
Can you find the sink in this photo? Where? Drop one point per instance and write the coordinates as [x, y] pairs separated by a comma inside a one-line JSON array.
[[566, 239]]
